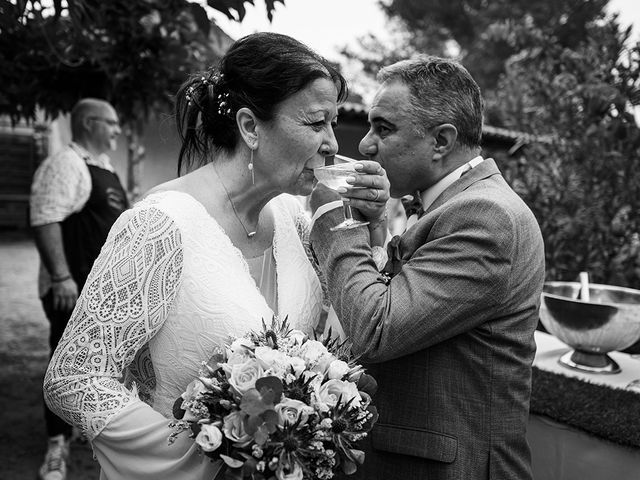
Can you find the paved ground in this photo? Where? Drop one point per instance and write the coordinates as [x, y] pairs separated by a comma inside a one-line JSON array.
[[23, 358]]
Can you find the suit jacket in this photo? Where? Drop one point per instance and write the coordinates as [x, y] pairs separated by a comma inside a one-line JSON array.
[[449, 337]]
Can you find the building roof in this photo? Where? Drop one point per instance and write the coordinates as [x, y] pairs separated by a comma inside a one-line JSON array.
[[497, 134]]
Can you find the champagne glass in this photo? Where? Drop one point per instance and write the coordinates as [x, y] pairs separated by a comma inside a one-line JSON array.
[[335, 176]]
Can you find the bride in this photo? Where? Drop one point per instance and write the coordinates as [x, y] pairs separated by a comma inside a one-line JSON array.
[[207, 255]]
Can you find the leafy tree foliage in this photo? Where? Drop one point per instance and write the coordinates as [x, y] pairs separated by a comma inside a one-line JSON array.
[[134, 54], [478, 32], [483, 29], [584, 185], [375, 52]]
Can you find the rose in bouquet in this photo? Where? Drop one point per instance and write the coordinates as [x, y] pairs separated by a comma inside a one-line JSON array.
[[279, 405]]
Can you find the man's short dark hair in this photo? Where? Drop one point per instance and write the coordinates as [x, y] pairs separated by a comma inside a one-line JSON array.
[[442, 91]]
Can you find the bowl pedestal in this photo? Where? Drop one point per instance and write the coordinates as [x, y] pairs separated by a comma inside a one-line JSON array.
[[608, 320], [589, 362]]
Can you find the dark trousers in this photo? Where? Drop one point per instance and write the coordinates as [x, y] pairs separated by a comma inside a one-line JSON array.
[[57, 323]]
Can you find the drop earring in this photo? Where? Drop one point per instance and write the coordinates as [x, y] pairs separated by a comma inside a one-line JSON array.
[[250, 167]]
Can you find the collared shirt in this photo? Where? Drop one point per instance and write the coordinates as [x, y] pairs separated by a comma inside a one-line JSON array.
[[430, 194], [62, 184]]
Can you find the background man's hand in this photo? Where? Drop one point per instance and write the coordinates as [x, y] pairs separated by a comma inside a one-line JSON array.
[[65, 295]]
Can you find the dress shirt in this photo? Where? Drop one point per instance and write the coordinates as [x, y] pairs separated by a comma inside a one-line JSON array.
[[430, 194]]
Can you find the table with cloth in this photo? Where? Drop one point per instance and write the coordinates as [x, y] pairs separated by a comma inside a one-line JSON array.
[[583, 426]]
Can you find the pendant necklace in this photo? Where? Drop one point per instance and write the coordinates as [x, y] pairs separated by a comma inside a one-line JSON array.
[[250, 234]]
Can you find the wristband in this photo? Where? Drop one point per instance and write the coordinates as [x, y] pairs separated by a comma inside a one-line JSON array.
[[60, 279]]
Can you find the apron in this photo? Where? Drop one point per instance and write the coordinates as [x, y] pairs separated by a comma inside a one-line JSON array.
[[85, 232]]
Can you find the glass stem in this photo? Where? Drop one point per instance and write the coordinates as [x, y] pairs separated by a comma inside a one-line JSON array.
[[347, 210]]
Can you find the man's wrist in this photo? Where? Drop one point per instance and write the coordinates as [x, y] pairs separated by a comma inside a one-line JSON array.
[[378, 231], [60, 278], [379, 223]]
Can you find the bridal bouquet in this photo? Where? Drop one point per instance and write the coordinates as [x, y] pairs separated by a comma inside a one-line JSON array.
[[279, 405]]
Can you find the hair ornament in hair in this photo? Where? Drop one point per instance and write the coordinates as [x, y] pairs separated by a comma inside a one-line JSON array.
[[223, 104], [189, 95], [222, 98], [192, 88], [215, 78], [213, 81]]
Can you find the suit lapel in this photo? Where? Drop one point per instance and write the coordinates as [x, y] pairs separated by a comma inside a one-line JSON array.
[[401, 248], [484, 170]]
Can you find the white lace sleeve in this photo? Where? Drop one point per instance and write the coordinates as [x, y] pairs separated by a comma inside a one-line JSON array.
[[126, 299]]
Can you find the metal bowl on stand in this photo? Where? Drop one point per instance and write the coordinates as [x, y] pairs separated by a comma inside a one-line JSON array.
[[608, 321]]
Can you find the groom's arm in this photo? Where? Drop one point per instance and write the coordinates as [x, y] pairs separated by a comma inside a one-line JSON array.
[[450, 285]]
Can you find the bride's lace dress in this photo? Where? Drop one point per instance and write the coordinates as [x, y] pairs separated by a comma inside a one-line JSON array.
[[167, 289]]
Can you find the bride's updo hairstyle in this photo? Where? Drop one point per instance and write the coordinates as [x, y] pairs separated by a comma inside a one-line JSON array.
[[259, 72]]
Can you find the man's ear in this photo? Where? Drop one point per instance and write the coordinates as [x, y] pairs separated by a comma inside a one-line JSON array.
[[445, 136], [86, 124], [247, 124]]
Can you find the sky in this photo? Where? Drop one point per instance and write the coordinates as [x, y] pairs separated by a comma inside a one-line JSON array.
[[324, 25], [328, 25]]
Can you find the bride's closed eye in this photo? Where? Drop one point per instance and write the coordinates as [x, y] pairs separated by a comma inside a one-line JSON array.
[[318, 126]]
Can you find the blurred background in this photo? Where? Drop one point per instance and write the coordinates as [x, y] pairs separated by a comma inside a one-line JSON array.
[[561, 80]]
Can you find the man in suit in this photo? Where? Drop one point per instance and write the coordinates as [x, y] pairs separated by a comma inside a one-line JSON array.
[[448, 331]]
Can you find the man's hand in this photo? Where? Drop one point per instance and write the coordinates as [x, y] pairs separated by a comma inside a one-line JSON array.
[[65, 294], [370, 191], [50, 246]]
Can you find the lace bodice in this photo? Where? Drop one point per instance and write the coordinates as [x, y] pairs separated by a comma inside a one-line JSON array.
[[166, 290]]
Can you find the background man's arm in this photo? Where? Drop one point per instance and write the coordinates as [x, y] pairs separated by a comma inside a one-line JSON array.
[[51, 248]]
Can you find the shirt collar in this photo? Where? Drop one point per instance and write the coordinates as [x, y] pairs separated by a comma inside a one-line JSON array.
[[101, 161], [430, 194]]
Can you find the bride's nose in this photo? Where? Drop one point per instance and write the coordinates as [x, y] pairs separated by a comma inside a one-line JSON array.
[[330, 144]]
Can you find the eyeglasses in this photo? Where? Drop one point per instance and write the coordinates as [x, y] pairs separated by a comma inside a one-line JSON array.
[[108, 121]]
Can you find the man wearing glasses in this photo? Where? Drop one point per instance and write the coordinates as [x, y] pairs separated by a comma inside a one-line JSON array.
[[76, 197]]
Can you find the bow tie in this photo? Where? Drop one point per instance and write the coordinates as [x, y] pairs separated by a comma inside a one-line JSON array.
[[413, 206]]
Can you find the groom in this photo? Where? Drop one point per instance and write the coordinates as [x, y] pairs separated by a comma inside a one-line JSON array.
[[448, 332]]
